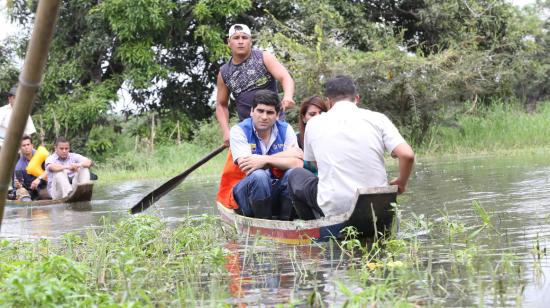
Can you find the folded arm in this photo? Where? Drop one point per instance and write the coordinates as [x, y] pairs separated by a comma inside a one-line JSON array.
[[55, 167], [254, 162]]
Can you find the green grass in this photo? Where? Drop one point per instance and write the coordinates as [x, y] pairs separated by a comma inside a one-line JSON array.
[[136, 262], [434, 270], [142, 262], [499, 128], [165, 162]]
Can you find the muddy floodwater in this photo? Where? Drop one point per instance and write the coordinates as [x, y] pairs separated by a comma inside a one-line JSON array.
[[513, 191]]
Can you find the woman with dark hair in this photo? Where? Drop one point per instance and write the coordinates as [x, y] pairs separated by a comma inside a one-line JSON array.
[[311, 106]]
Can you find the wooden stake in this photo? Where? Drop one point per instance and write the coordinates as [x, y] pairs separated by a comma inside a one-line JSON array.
[[153, 132]]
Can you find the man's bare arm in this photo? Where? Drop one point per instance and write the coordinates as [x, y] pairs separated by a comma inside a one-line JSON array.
[[405, 154], [279, 72], [222, 109], [86, 163]]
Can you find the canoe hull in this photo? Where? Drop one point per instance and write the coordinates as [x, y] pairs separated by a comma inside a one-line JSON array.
[[82, 193], [371, 214]]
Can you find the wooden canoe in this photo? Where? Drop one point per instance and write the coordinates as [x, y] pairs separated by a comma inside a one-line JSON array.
[[82, 193], [372, 213]]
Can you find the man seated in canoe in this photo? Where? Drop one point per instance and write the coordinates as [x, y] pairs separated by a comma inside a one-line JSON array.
[[347, 144], [30, 179], [264, 149], [66, 170]]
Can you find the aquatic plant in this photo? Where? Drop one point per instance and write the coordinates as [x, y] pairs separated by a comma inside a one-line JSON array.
[[139, 261]]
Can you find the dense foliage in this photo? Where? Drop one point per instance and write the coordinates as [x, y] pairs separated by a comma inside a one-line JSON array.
[[422, 62]]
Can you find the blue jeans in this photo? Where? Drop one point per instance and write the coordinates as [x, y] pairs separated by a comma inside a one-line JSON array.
[[257, 186]]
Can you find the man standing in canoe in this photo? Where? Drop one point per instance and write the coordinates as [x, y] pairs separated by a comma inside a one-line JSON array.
[[66, 170], [28, 185], [264, 149], [5, 115], [348, 144], [247, 71]]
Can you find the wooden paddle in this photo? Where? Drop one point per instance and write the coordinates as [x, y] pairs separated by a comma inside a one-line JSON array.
[[165, 188]]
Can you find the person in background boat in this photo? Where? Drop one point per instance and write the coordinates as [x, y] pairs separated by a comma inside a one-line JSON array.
[[247, 71], [66, 169], [264, 148], [5, 115], [28, 187], [311, 106], [347, 143]]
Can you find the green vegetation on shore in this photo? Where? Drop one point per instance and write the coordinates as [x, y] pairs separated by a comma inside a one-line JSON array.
[[497, 128], [163, 163], [494, 129], [416, 61]]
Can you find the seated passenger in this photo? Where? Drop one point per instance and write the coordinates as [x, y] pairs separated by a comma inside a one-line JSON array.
[[311, 106], [66, 170], [264, 148], [28, 186], [347, 143]]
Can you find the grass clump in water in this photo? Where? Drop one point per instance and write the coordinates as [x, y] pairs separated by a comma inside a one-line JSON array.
[[136, 262], [453, 263]]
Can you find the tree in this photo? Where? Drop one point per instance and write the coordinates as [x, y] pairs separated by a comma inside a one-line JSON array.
[[415, 60], [8, 72]]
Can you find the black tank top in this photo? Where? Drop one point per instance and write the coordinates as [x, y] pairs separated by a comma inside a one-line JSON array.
[[244, 79]]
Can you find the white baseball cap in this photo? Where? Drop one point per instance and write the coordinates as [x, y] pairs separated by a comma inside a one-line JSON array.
[[239, 28]]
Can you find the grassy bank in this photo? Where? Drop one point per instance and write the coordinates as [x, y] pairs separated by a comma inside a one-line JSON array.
[[499, 128], [163, 163]]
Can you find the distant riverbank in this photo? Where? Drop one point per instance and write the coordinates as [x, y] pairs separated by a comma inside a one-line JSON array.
[[496, 130]]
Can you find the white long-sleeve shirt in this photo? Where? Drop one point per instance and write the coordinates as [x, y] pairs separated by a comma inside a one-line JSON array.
[[5, 115]]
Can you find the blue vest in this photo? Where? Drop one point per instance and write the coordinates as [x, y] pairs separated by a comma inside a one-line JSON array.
[[254, 141]]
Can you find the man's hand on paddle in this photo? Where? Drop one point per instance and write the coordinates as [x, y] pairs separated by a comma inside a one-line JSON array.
[[226, 137]]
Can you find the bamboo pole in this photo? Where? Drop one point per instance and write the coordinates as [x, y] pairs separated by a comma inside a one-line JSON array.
[[29, 83]]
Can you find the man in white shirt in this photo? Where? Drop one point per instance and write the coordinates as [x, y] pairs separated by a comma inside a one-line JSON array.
[[66, 169], [348, 144], [263, 148], [5, 115]]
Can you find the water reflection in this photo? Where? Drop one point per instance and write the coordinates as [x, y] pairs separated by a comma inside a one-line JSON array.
[[514, 191]]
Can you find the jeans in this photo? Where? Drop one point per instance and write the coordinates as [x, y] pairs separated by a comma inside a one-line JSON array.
[[258, 186], [302, 185]]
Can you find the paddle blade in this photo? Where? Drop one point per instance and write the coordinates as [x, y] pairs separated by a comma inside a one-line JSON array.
[[165, 188], [158, 193]]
